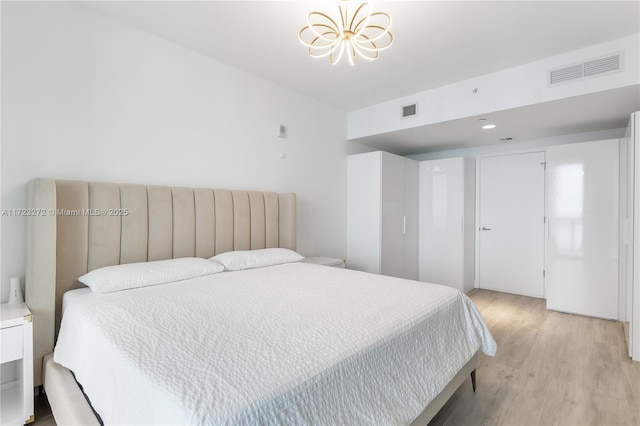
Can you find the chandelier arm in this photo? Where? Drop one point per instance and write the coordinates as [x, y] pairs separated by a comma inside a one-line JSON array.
[[364, 43], [315, 26], [384, 32], [358, 25], [343, 18], [311, 26], [341, 49], [321, 36], [320, 55], [352, 53], [358, 49], [355, 15], [384, 29], [383, 14], [359, 28], [331, 47]]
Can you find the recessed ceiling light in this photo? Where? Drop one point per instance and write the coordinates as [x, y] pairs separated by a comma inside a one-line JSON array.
[[488, 126]]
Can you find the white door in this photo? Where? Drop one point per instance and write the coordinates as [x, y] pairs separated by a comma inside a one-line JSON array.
[[582, 247], [511, 224]]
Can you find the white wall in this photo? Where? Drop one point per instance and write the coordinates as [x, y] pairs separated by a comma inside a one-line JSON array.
[[474, 153], [85, 97], [510, 88]]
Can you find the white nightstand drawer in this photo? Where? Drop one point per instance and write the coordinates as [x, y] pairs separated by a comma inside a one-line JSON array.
[[16, 357], [11, 344]]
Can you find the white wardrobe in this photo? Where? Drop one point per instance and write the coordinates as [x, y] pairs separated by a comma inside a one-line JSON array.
[[582, 228], [382, 214], [447, 222]]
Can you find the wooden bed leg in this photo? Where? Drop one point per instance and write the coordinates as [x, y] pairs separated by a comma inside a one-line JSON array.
[[473, 379]]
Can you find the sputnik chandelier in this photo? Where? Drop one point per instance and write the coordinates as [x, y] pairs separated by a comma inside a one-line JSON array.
[[364, 34]]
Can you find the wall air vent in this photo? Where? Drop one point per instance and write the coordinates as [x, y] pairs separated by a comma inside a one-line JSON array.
[[409, 110], [565, 74], [585, 69], [598, 66]]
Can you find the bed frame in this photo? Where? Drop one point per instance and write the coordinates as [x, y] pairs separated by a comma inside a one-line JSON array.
[[81, 226]]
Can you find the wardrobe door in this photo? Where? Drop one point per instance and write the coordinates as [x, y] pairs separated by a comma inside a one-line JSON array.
[[382, 214], [582, 242], [441, 222], [469, 223], [393, 216], [363, 212], [411, 208]]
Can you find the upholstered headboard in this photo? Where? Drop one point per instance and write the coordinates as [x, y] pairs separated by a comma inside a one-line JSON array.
[[80, 226]]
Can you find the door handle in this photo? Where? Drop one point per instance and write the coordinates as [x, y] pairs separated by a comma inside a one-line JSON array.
[[485, 229]]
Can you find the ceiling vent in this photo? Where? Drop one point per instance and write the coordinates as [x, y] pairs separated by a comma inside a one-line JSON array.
[[593, 67], [599, 66], [565, 74], [409, 110]]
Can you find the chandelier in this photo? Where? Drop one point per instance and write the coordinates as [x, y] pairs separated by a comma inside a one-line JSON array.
[[364, 34]]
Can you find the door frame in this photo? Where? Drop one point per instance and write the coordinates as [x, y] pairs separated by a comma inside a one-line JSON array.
[[634, 315], [476, 279]]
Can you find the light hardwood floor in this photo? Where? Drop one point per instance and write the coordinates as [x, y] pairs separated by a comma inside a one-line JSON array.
[[550, 369]]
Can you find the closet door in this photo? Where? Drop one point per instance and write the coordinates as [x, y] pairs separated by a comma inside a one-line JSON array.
[[469, 222], [399, 228], [441, 222], [382, 214], [411, 209], [363, 212], [582, 242], [393, 217]]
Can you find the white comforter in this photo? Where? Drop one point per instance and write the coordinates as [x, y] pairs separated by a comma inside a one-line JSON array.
[[288, 344]]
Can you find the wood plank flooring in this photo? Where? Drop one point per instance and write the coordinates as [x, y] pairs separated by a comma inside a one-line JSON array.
[[550, 369]]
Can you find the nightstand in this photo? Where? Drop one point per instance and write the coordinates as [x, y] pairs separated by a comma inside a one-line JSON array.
[[16, 361], [327, 261]]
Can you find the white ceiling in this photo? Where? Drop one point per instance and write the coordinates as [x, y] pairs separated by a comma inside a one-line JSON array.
[[598, 111], [435, 43]]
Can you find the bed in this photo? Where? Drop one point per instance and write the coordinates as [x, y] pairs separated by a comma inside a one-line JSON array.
[[285, 343]]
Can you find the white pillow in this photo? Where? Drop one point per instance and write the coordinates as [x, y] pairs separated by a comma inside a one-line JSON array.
[[247, 259], [134, 275]]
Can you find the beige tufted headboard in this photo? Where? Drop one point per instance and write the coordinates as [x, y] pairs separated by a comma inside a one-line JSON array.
[[80, 226]]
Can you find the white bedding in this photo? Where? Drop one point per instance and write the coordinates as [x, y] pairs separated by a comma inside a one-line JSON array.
[[288, 344]]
